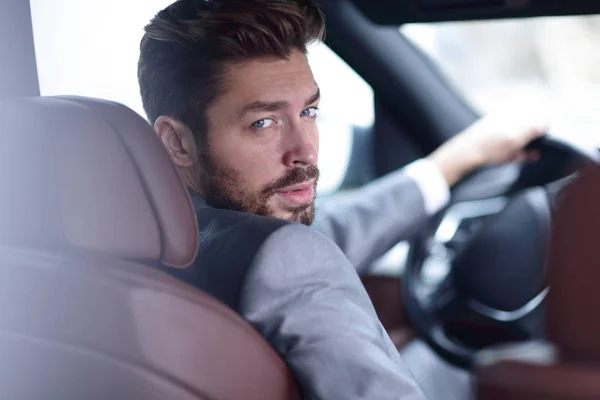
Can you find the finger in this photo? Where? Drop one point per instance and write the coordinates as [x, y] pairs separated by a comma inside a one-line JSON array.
[[535, 132], [533, 156], [527, 156], [521, 157]]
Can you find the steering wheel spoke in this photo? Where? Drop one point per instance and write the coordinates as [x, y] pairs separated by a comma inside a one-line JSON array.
[[445, 300]]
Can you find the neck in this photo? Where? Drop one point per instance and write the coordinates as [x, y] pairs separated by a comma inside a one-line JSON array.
[[190, 179]]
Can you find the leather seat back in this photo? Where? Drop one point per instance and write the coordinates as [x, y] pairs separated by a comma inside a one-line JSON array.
[[87, 175], [515, 380], [568, 366], [90, 200]]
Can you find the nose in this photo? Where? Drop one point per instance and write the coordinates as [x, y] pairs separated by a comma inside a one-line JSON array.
[[302, 146]]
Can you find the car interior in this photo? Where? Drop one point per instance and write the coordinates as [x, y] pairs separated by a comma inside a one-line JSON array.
[[482, 303], [95, 319]]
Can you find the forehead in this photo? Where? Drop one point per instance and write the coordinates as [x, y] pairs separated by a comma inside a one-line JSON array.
[[270, 79]]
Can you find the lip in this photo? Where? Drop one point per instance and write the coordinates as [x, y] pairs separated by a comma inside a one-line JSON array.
[[300, 194]]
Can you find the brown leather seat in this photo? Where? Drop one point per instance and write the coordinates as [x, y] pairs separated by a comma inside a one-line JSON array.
[[89, 201], [568, 366], [386, 294]]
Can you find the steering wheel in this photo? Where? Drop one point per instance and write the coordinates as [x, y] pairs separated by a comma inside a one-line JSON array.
[[475, 278]]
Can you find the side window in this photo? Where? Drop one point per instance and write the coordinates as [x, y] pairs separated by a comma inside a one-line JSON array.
[[541, 65], [86, 48], [346, 102], [90, 48]]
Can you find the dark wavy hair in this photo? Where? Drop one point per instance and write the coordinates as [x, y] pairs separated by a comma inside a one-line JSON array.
[[187, 45]]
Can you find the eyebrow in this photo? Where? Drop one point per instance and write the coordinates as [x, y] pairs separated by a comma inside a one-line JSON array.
[[271, 106]]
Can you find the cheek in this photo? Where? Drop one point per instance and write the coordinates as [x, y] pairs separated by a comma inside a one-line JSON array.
[[256, 170], [312, 137], [316, 140], [255, 165]]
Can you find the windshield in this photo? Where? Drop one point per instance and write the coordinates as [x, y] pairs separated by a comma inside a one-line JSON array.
[[540, 65]]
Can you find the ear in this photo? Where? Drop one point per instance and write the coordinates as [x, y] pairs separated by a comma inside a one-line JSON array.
[[178, 140]]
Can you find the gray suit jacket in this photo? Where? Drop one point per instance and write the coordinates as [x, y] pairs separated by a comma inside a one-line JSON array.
[[376, 217], [300, 291]]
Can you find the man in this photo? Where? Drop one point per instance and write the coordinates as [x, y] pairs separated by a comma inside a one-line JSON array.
[[228, 88]]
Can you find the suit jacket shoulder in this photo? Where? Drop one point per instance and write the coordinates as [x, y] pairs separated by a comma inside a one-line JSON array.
[[367, 223], [306, 299], [296, 287], [229, 241]]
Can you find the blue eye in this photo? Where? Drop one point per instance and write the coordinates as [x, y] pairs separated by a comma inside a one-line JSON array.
[[262, 123], [309, 112]]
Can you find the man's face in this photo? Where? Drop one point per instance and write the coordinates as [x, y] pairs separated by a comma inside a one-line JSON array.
[[263, 143]]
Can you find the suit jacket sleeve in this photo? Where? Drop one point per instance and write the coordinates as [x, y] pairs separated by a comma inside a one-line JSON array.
[[305, 298], [375, 218]]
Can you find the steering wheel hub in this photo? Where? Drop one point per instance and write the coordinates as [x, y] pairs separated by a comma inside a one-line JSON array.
[[501, 267]]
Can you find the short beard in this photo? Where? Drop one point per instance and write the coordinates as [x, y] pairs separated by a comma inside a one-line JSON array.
[[222, 189]]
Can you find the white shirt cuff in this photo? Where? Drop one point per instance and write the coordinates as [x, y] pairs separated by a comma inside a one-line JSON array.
[[431, 183]]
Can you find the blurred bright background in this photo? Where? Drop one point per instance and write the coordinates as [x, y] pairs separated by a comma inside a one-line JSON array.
[[547, 66]]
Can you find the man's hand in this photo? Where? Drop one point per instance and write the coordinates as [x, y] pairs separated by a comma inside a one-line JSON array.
[[491, 140]]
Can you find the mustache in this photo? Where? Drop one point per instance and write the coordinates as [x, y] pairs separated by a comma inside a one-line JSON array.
[[294, 177]]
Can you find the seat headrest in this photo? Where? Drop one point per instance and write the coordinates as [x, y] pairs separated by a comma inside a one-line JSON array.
[[80, 174], [574, 270]]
